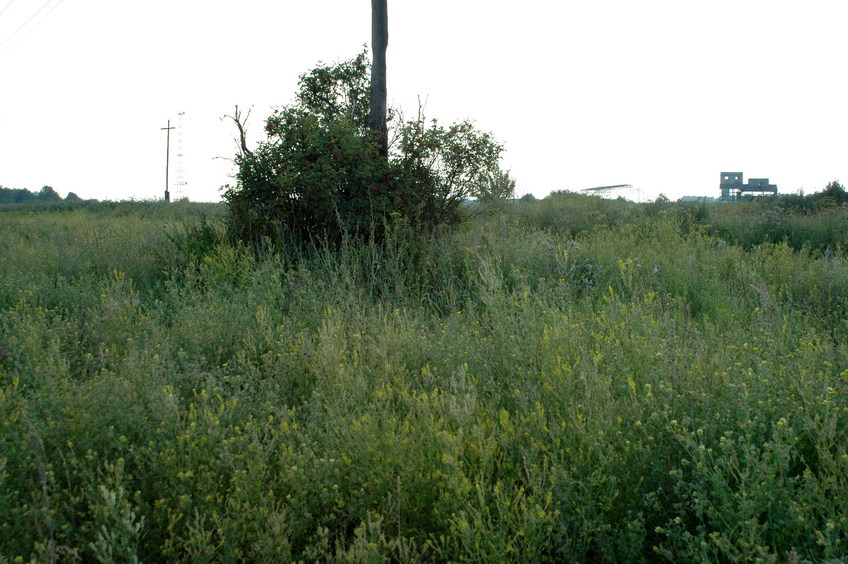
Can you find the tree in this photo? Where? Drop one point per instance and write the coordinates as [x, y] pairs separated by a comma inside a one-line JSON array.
[[836, 192], [48, 194], [379, 44], [22, 195], [495, 186]]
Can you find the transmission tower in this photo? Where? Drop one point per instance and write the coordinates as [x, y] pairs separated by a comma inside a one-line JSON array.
[[180, 183]]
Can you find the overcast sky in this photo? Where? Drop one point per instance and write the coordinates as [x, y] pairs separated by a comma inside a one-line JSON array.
[[660, 94]]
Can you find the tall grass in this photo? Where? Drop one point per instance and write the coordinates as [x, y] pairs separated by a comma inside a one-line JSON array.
[[752, 223], [565, 380]]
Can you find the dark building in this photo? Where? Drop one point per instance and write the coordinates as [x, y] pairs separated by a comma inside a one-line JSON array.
[[733, 187]]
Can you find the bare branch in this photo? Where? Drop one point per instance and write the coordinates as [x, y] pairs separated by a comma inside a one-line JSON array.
[[241, 124]]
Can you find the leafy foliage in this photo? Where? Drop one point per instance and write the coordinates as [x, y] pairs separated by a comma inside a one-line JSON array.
[[48, 194], [836, 193], [496, 186], [340, 90], [319, 175], [816, 221], [833, 195], [444, 166], [316, 177]]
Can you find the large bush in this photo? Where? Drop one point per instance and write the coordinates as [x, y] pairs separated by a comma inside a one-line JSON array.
[[319, 173]]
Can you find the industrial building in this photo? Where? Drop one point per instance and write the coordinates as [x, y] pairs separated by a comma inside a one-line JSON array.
[[733, 187]]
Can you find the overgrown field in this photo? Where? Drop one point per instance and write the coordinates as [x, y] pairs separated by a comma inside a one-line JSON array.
[[570, 379]]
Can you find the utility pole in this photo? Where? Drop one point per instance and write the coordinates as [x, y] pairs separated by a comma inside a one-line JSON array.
[[379, 44], [167, 160]]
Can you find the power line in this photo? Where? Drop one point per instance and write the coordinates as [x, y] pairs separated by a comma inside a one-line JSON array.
[[32, 17], [7, 7]]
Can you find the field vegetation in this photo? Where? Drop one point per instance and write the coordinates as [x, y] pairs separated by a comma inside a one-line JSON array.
[[566, 379]]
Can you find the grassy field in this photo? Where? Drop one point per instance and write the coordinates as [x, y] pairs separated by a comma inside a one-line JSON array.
[[565, 380]]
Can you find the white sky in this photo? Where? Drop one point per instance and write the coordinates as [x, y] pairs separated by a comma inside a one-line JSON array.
[[660, 94]]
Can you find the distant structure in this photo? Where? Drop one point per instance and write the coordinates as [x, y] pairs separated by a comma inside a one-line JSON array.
[[733, 188], [608, 191], [167, 159], [180, 184]]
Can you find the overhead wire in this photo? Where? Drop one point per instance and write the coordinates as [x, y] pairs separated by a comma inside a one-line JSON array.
[[26, 23], [7, 7]]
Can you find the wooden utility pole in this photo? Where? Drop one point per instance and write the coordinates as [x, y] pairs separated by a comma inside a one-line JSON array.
[[379, 43], [167, 159]]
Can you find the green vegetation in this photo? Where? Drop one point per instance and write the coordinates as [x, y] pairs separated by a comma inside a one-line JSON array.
[[23, 196], [567, 379], [816, 221], [321, 174]]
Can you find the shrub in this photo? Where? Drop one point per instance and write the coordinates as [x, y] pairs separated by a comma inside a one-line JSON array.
[[319, 175], [442, 167], [836, 194], [316, 177], [833, 195]]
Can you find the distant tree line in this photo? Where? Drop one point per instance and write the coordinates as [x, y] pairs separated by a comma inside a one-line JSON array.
[[23, 196]]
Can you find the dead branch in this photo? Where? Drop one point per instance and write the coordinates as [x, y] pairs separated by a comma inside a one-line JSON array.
[[241, 124]]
